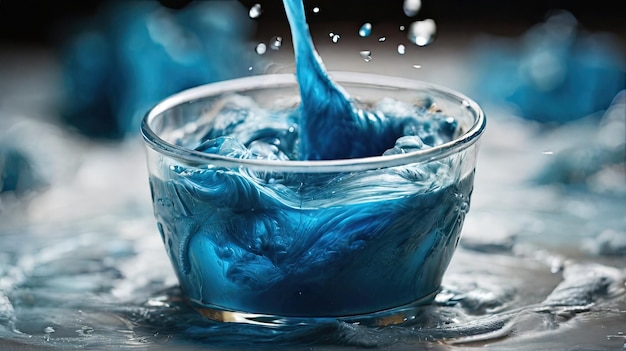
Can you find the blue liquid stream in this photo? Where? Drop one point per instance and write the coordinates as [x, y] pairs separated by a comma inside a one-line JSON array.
[[314, 244], [327, 107]]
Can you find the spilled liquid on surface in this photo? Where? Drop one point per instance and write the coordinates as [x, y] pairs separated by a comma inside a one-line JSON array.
[[527, 274]]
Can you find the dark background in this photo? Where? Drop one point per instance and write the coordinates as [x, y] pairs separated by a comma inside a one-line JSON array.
[[35, 21]]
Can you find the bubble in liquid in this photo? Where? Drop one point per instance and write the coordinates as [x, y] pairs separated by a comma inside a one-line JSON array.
[[255, 11], [402, 28], [422, 33], [411, 7], [261, 48], [401, 49], [365, 30], [276, 43], [366, 55]]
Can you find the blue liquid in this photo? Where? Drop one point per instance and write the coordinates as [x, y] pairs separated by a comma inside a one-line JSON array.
[[270, 249], [309, 244]]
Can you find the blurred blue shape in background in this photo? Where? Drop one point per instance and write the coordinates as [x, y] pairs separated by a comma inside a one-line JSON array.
[[555, 72], [16, 172], [134, 54], [595, 160]]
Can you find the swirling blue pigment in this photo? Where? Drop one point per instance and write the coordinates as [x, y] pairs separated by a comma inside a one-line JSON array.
[[309, 244]]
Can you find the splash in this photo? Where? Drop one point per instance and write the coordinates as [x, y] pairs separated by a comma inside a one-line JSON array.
[[422, 33]]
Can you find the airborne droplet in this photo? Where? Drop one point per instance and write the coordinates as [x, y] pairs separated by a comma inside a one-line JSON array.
[[335, 38], [261, 48], [366, 55], [365, 30], [411, 7], [422, 33], [276, 43], [401, 49], [255, 11]]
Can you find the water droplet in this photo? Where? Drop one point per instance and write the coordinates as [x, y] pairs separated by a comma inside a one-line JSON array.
[[423, 32], [417, 66], [335, 38], [261, 48], [316, 9], [548, 152], [402, 28], [365, 30], [250, 68], [381, 39], [276, 43], [401, 49], [411, 7], [48, 330], [255, 11], [366, 55]]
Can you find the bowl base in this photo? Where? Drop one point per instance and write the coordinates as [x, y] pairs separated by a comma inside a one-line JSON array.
[[393, 316]]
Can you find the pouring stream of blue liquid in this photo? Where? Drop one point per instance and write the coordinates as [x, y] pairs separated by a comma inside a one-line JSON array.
[[331, 126]]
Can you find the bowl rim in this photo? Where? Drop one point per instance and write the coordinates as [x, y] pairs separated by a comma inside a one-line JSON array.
[[196, 158]]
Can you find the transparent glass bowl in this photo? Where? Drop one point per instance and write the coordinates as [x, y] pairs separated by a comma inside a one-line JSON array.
[[278, 242]]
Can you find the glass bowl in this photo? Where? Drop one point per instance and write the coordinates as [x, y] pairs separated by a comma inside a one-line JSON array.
[[279, 242]]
